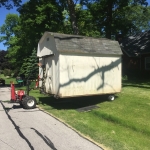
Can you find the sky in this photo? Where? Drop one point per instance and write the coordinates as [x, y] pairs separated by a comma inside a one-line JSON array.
[[3, 14]]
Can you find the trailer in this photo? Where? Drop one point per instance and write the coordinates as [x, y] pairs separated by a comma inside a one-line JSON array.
[[73, 65]]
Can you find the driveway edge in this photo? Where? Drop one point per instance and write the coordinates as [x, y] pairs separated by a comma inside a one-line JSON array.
[[80, 134]]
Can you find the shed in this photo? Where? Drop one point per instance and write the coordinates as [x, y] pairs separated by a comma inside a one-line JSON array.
[[74, 65], [136, 50]]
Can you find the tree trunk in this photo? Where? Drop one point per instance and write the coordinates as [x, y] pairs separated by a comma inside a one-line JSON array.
[[109, 19], [71, 7]]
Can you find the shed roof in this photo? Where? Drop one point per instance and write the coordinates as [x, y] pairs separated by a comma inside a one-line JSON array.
[[82, 44], [138, 44]]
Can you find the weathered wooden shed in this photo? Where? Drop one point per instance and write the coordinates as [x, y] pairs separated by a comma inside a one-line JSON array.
[[75, 65]]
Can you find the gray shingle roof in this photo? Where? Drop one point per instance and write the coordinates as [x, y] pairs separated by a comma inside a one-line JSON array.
[[82, 44], [137, 44]]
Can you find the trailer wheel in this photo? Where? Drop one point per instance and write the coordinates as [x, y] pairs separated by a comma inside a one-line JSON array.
[[29, 102], [111, 97]]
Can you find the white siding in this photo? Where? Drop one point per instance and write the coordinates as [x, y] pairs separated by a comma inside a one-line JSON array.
[[46, 46], [49, 75], [89, 75], [40, 71]]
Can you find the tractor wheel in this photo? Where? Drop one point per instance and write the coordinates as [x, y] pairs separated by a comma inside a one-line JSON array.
[[29, 102]]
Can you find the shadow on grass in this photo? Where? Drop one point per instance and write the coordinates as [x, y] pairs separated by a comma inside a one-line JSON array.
[[72, 103], [138, 86], [140, 83]]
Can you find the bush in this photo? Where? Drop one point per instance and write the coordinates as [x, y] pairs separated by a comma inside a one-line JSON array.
[[7, 72], [1, 71], [15, 73]]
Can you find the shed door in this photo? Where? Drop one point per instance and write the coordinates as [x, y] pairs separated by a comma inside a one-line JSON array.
[[48, 75]]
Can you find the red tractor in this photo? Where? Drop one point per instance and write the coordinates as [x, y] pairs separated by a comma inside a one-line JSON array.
[[26, 101]]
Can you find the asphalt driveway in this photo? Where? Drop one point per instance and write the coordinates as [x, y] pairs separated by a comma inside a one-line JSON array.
[[35, 130]]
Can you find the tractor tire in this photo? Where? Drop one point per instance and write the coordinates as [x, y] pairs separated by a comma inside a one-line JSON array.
[[29, 102]]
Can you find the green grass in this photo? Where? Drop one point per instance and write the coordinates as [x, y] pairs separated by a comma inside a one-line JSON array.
[[123, 124], [8, 79]]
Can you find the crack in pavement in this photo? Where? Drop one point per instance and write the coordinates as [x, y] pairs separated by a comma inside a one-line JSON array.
[[7, 144]]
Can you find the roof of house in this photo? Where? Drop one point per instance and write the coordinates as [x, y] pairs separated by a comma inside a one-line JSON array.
[[136, 45], [82, 44]]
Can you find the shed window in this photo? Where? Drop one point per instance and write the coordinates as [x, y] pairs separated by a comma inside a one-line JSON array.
[[147, 63]]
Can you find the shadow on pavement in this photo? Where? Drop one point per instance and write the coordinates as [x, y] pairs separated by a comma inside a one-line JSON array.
[[45, 139], [17, 127]]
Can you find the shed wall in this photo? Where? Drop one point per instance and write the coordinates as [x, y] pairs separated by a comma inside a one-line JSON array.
[[46, 46], [89, 75], [51, 65]]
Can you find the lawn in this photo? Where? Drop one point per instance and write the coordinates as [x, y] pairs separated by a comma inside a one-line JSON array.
[[8, 79], [122, 124]]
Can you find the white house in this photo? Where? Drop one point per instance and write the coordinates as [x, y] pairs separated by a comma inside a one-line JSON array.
[[74, 65]]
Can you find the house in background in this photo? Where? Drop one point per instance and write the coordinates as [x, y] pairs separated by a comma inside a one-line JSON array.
[[136, 54]]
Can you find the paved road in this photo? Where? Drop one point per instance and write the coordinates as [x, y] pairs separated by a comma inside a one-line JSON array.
[[22, 129]]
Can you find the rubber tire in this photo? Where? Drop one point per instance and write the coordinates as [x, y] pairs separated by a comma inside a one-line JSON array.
[[111, 97], [29, 102]]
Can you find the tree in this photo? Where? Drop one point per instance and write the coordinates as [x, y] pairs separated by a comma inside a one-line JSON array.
[[35, 18], [86, 24], [9, 28], [29, 67], [77, 19], [110, 15], [9, 32], [4, 64], [71, 8], [97, 18]]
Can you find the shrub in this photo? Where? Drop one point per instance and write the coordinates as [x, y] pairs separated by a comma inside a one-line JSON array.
[[15, 73], [7, 72], [1, 71]]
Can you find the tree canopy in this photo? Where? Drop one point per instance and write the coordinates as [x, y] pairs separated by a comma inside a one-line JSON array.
[[96, 18]]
